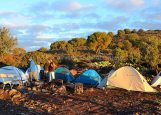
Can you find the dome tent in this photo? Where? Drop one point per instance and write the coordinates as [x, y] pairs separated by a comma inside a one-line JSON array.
[[156, 80], [12, 73], [64, 74], [89, 77], [127, 78]]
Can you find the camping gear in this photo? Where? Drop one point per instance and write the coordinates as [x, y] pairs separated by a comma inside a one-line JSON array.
[[89, 77], [156, 80], [64, 74], [127, 78], [12, 75]]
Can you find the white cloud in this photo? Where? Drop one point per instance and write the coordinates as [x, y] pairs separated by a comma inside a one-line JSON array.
[[127, 5], [12, 19], [44, 37]]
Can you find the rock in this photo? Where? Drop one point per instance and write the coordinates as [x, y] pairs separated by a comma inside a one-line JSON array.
[[34, 88], [29, 89], [44, 90], [1, 91], [50, 109], [90, 90], [4, 95], [13, 92], [61, 90]]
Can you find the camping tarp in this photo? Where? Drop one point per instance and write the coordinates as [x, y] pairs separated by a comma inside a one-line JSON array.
[[89, 77], [64, 74], [156, 80], [130, 79], [12, 73]]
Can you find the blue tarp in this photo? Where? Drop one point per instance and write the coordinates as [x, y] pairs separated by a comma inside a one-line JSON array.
[[64, 74], [89, 77]]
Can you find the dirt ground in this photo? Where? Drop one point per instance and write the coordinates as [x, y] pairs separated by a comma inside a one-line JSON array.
[[92, 101]]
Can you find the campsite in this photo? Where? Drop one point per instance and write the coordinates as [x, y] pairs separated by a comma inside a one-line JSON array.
[[58, 98], [80, 57]]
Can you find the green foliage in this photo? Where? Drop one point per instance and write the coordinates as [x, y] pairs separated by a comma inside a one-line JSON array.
[[127, 45], [42, 49], [98, 41], [76, 42], [121, 33], [58, 45], [69, 48], [120, 55], [110, 34], [7, 42], [101, 64], [19, 51], [127, 31], [133, 38]]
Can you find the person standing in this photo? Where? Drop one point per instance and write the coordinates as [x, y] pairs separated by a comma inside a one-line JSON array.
[[32, 70], [52, 67], [46, 70]]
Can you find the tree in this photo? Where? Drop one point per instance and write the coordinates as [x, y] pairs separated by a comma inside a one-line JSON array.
[[76, 42], [7, 42], [121, 33], [18, 51], [69, 48], [127, 31], [98, 41], [120, 56], [42, 49], [127, 45], [133, 38], [110, 34], [58, 45]]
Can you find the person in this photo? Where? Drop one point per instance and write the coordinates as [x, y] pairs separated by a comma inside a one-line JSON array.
[[52, 67], [32, 70], [41, 71], [46, 70]]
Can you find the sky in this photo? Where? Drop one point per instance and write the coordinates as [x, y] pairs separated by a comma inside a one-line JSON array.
[[38, 23]]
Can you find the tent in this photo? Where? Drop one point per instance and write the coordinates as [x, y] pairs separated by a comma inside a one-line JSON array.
[[9, 73], [89, 77], [127, 78], [157, 80], [104, 81], [64, 74]]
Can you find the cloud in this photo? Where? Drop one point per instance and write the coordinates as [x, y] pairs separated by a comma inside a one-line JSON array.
[[126, 5], [147, 25], [12, 19]]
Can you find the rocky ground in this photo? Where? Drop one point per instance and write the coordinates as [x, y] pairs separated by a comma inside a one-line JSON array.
[[31, 101]]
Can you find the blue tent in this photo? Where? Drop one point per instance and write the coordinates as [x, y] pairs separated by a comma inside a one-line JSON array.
[[89, 77], [64, 74]]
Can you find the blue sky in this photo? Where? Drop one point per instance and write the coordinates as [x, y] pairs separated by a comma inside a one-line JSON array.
[[38, 23]]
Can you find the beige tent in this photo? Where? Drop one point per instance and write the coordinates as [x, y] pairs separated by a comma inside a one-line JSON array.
[[157, 80], [127, 78]]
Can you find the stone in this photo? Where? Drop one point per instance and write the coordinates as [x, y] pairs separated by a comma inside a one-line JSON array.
[[13, 92], [61, 90], [34, 88], [78, 89]]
